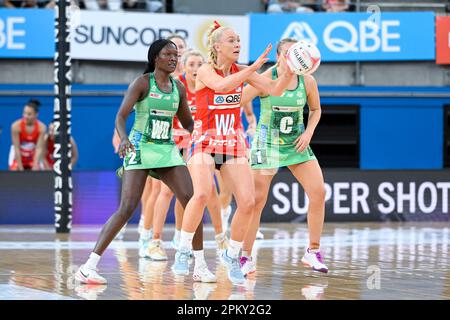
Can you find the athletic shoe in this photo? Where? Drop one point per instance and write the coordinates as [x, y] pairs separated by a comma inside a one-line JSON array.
[[89, 276], [156, 251], [225, 213], [181, 265], [259, 235], [247, 265], [234, 271], [313, 259], [202, 274], [222, 243]]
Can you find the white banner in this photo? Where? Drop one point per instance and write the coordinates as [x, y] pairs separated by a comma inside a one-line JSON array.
[[127, 36]]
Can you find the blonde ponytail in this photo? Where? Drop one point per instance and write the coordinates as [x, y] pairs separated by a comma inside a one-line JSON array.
[[214, 34]]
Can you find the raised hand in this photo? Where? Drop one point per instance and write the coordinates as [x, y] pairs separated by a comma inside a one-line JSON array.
[[261, 59]]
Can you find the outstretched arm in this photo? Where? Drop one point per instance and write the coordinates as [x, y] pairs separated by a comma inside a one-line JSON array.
[[207, 77], [270, 86]]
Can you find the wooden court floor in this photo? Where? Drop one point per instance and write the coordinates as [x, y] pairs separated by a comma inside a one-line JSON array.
[[366, 261]]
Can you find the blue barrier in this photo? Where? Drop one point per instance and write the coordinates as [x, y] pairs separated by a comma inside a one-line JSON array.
[[392, 129]]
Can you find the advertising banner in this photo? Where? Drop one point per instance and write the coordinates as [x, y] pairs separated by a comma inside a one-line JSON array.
[[127, 36], [358, 195], [443, 40], [27, 33], [350, 36]]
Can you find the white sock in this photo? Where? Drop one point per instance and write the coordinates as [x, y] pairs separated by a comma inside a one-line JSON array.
[[246, 254], [186, 240], [145, 234], [313, 250], [177, 235], [233, 249], [199, 258], [92, 261]]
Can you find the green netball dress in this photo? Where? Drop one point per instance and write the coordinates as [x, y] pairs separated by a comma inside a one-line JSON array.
[[280, 123], [151, 134]]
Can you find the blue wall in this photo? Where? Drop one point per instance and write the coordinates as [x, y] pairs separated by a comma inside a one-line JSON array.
[[395, 133], [402, 134]]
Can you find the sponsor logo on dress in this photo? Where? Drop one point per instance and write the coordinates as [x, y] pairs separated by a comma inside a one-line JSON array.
[[155, 95], [228, 99]]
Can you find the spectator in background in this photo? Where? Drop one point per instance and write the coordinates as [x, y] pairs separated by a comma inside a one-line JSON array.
[[336, 5], [285, 6], [49, 142], [29, 3], [27, 139]]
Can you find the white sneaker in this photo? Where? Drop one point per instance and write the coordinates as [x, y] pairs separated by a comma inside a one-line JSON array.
[[155, 251], [202, 274], [121, 233], [259, 235], [247, 265], [313, 259], [89, 276], [225, 213]]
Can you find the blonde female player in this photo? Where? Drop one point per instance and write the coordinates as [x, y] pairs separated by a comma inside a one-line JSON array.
[[226, 195], [284, 116], [192, 60], [154, 188], [217, 143]]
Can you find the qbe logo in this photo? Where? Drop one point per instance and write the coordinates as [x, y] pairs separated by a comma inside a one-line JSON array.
[[340, 36], [227, 99], [219, 99], [300, 31]]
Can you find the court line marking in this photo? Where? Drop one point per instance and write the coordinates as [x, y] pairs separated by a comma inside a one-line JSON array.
[[327, 241]]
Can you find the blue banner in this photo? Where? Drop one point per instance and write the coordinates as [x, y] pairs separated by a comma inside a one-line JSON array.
[[27, 33], [350, 36]]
